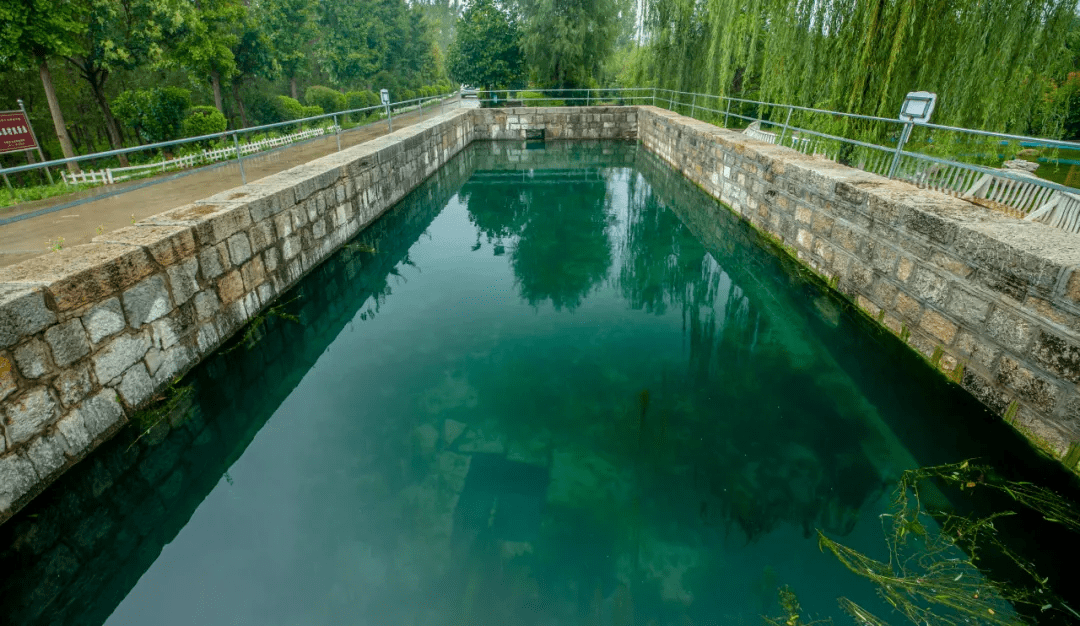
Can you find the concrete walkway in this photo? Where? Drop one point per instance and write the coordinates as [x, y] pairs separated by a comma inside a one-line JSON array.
[[93, 214]]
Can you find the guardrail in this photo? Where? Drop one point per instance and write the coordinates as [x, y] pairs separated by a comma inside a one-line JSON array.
[[238, 149], [1015, 191]]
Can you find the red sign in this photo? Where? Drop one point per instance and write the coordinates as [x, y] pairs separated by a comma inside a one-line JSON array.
[[15, 133]]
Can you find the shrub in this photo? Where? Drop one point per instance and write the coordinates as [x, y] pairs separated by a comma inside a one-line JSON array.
[[361, 99], [408, 94], [288, 109], [155, 114], [329, 100], [203, 120], [312, 111]]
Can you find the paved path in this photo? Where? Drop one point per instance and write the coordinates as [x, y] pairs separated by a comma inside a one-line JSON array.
[[79, 224]]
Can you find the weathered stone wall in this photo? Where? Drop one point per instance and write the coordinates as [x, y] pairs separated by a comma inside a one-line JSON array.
[[556, 123], [90, 333], [992, 301]]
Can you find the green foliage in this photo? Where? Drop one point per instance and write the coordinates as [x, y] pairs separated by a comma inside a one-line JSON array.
[[34, 31], [486, 51], [361, 99], [863, 57], [408, 94], [155, 114], [203, 120], [9, 197], [568, 42], [287, 109], [329, 100]]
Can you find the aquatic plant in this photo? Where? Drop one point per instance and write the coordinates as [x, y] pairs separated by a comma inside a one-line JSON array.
[[172, 402], [933, 575], [253, 331]]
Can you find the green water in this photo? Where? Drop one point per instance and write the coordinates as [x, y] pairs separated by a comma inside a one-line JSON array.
[[553, 386]]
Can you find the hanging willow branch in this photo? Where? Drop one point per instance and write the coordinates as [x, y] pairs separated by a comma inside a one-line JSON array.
[[991, 62]]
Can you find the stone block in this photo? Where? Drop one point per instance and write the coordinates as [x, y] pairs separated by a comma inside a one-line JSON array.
[[166, 244], [8, 384], [17, 478], [803, 214], [928, 287], [82, 275], [165, 332], [262, 236], [33, 359], [980, 351], [183, 279], [101, 412], [73, 428], [253, 273], [985, 391], [884, 258], [136, 387], [1009, 330], [212, 223], [28, 415], [934, 227], [206, 304], [214, 261], [147, 301], [908, 307], [68, 341], [104, 320], [1031, 387], [169, 363], [120, 354], [1072, 289], [869, 307], [967, 307], [239, 248], [231, 287], [46, 454], [73, 384], [938, 325], [804, 239], [23, 312], [904, 269], [1057, 355], [950, 264]]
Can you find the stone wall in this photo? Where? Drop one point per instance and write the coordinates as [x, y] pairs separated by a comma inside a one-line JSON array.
[[991, 301], [91, 333]]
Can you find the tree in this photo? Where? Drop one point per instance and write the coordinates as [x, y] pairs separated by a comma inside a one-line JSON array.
[[254, 58], [33, 33], [118, 35], [567, 42], [486, 50], [205, 39], [291, 27]]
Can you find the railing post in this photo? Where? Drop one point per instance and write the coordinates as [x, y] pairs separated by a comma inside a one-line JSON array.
[[239, 158], [786, 123], [421, 109], [389, 118], [588, 97], [8, 182], [693, 106], [671, 100], [727, 107], [337, 131], [900, 148], [654, 96]]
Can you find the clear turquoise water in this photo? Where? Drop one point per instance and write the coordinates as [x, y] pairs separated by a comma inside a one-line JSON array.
[[572, 392]]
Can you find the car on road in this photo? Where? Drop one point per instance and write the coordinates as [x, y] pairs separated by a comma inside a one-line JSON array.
[[468, 91]]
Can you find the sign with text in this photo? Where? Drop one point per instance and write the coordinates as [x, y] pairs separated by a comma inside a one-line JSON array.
[[15, 133]]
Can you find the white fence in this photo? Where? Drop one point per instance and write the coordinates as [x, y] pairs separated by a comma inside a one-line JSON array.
[[1025, 198], [113, 175]]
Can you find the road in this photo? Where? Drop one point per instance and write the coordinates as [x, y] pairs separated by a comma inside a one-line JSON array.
[[79, 224]]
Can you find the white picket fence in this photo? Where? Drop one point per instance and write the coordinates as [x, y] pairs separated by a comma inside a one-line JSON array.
[[114, 175]]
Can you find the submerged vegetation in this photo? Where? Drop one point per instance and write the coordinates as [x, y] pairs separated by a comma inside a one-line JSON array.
[[936, 568]]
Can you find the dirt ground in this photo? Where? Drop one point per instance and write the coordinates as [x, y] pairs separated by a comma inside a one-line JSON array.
[[79, 224]]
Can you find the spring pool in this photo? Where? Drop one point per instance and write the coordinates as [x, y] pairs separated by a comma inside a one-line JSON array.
[[554, 385]]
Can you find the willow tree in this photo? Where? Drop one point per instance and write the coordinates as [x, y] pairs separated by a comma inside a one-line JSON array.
[[989, 61]]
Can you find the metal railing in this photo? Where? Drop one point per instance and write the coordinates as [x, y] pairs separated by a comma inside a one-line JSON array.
[[385, 111], [1015, 191]]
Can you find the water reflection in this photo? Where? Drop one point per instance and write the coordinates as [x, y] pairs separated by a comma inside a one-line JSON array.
[[553, 386]]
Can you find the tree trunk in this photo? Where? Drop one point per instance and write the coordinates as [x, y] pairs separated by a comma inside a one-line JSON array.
[[215, 81], [292, 87], [97, 88], [57, 115], [239, 103]]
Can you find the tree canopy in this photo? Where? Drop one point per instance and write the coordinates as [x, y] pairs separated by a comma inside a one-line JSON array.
[[486, 50]]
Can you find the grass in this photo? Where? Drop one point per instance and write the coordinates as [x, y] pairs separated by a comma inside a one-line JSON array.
[[10, 197]]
